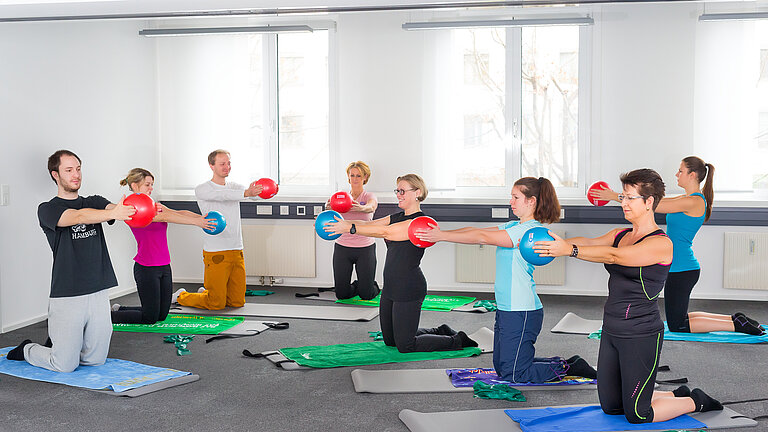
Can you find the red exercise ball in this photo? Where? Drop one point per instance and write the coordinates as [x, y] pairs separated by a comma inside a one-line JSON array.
[[597, 186], [421, 222], [341, 202], [145, 209], [269, 186]]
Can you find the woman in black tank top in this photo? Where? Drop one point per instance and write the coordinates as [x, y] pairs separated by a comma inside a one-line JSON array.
[[404, 284], [637, 260]]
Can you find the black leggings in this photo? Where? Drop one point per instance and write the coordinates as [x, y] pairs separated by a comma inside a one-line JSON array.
[[364, 259], [400, 328], [677, 293], [626, 375], [155, 285]]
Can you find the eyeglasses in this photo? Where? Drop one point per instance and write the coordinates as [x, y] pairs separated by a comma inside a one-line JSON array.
[[403, 191], [622, 197]]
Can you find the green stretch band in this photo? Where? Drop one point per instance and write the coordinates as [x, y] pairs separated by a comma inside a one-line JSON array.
[[258, 292], [184, 324], [431, 302], [376, 335], [180, 342], [497, 391], [488, 304], [365, 353]]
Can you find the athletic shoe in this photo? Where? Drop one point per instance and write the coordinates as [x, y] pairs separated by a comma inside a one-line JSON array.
[[115, 307], [201, 290], [175, 296]]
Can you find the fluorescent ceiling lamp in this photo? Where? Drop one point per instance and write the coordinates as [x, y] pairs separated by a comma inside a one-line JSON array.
[[741, 16], [225, 30], [435, 25]]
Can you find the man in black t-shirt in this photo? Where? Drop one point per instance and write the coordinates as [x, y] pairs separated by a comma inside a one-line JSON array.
[[79, 325]]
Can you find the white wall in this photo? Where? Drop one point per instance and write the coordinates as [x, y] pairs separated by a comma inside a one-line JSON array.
[[88, 87]]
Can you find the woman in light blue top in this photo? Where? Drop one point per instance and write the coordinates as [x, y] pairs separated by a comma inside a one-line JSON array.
[[520, 314], [685, 215]]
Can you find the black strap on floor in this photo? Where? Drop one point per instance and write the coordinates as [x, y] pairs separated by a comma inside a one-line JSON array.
[[325, 289], [664, 368], [303, 295], [744, 401], [276, 326], [682, 380]]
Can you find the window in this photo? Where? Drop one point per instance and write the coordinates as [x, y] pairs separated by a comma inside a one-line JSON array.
[[264, 98], [731, 104], [505, 103]]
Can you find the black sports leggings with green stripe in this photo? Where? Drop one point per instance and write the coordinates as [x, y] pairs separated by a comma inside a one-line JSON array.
[[626, 375]]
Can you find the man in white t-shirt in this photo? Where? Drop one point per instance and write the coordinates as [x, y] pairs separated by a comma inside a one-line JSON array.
[[224, 280]]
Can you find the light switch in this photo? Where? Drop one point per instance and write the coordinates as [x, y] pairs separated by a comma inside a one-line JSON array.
[[283, 210], [263, 209], [301, 210], [500, 212], [318, 210]]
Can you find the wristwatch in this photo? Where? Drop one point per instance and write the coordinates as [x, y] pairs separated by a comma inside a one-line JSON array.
[[575, 251], [353, 229]]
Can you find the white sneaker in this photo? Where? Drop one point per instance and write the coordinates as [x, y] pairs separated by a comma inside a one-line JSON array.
[[175, 296], [115, 307], [201, 289]]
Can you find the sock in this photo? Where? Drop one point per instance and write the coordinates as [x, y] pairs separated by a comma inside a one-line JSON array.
[[48, 343], [18, 352], [682, 391], [443, 329], [742, 325], [703, 402], [465, 340], [741, 315], [581, 368]]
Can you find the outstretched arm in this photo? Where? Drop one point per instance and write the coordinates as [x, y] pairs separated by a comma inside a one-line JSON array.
[[183, 217], [681, 203], [468, 235], [117, 211], [395, 232], [654, 250]]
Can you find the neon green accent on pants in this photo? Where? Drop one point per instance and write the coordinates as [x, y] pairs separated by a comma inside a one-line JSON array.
[[431, 302], [184, 324], [365, 353]]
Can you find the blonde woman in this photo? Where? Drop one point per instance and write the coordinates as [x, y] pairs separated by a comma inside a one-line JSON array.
[[152, 267], [404, 284]]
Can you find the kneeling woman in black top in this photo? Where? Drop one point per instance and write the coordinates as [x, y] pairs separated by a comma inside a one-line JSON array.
[[637, 260], [404, 284]]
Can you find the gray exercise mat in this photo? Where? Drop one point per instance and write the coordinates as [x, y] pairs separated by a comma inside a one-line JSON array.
[[247, 328], [574, 324], [497, 420], [151, 388], [427, 381], [337, 313], [483, 337], [331, 296]]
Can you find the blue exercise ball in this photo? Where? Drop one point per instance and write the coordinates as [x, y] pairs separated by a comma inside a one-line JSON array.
[[322, 219], [530, 237], [221, 223]]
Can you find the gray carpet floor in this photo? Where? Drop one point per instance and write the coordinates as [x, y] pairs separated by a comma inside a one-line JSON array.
[[236, 393]]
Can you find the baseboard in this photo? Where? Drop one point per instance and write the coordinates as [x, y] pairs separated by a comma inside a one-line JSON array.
[[22, 324]]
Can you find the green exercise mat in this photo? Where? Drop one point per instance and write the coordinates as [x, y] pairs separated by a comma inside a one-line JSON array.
[[431, 302], [184, 324], [365, 353]]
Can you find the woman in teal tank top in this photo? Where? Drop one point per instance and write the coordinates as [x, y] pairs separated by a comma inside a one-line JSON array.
[[685, 215]]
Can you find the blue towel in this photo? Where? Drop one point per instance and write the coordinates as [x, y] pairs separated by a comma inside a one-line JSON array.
[[589, 419], [115, 375], [718, 336]]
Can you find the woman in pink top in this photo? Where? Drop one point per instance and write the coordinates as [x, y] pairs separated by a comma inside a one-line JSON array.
[[152, 267], [355, 250]]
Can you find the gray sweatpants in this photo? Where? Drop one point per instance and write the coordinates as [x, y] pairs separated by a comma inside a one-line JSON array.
[[80, 329]]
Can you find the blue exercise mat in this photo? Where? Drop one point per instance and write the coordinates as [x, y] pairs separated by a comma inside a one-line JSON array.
[[718, 336], [589, 419], [115, 375]]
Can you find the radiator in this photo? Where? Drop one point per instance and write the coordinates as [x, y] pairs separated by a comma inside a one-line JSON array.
[[477, 263], [745, 261], [279, 250]]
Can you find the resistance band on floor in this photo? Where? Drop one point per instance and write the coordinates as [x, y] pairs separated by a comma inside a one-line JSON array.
[[184, 324], [717, 337]]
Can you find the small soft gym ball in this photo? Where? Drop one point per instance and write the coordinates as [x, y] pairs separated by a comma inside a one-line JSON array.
[[421, 222], [341, 202], [221, 222], [145, 209], [269, 186], [322, 219], [597, 186], [530, 237]]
